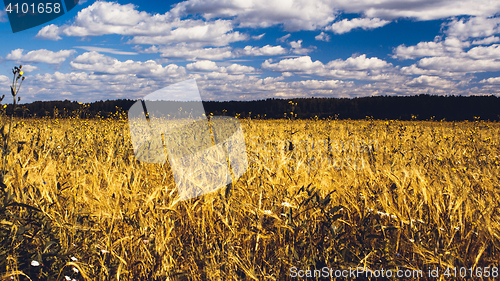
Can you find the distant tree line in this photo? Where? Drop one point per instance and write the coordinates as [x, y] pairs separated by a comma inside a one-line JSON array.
[[421, 107]]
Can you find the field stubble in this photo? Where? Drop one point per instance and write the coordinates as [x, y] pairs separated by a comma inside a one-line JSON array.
[[317, 193]]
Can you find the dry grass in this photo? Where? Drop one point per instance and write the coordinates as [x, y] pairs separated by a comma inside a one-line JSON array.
[[318, 193]]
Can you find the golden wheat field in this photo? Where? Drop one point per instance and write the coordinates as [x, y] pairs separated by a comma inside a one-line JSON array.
[[319, 198]]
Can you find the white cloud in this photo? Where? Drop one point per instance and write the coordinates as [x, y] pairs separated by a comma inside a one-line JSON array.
[[430, 81], [450, 45], [420, 10], [357, 68], [194, 51], [112, 18], [223, 77], [297, 48], [451, 57], [86, 87], [300, 64], [41, 55], [346, 25], [461, 64], [473, 27], [3, 16], [359, 63], [204, 65], [284, 37], [319, 84], [105, 50], [99, 63], [50, 32], [415, 70], [294, 15], [217, 33], [238, 68], [219, 18], [223, 86], [215, 85], [491, 80], [322, 37], [258, 37], [151, 50], [4, 79], [266, 50], [448, 58], [481, 52], [29, 68], [486, 41]]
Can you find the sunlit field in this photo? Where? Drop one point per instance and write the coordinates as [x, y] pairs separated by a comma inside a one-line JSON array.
[[317, 194]]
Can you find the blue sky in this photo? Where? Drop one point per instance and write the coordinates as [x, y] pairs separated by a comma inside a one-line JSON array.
[[258, 49]]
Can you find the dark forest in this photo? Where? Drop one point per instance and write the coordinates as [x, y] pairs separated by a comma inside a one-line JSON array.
[[422, 107]]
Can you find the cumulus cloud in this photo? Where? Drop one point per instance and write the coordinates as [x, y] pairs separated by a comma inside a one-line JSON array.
[[113, 18], [357, 68], [50, 32], [266, 50], [217, 33], [223, 86], [86, 87], [481, 52], [420, 10], [41, 55], [220, 18], [450, 45], [320, 84], [194, 52], [473, 27], [486, 41], [415, 70], [491, 80], [300, 64], [214, 85], [29, 68], [298, 49], [210, 66], [461, 64], [358, 63], [297, 15], [431, 81], [238, 68], [449, 58], [204, 65], [95, 62], [346, 25], [105, 50], [293, 15], [322, 37], [227, 87]]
